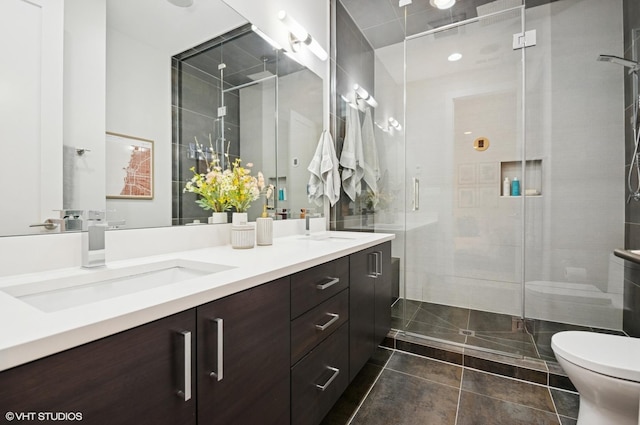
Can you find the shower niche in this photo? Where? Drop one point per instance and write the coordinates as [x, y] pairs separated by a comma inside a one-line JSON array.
[[531, 184]]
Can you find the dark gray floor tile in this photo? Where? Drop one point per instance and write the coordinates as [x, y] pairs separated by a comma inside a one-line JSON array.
[[487, 321], [514, 343], [507, 370], [567, 403], [400, 399], [429, 351], [568, 421], [405, 308], [506, 389], [608, 331], [381, 356], [477, 409], [421, 367], [347, 404], [535, 326], [443, 316], [434, 331]]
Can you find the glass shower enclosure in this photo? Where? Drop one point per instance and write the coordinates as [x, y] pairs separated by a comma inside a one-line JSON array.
[[512, 95]]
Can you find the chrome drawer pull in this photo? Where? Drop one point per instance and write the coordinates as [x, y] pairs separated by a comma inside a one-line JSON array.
[[186, 392], [332, 281], [336, 372], [220, 344], [334, 319]]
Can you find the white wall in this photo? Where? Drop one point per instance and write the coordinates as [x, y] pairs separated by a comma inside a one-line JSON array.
[[84, 103], [311, 14], [138, 104]]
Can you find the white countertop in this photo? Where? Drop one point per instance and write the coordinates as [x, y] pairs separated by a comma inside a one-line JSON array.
[[29, 333]]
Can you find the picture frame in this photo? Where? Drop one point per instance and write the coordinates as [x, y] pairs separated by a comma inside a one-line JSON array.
[[129, 167]]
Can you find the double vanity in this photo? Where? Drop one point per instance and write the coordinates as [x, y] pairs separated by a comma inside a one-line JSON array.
[[271, 335]]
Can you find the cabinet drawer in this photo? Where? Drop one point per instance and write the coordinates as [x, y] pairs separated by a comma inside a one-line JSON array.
[[317, 284], [319, 379], [317, 324]]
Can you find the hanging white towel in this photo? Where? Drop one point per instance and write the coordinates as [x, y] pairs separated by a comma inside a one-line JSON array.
[[370, 153], [352, 157], [325, 178]]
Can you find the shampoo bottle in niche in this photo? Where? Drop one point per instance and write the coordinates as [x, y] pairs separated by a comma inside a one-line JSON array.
[[506, 187], [515, 187]]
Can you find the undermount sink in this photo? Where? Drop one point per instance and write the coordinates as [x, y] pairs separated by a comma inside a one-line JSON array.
[[97, 285]]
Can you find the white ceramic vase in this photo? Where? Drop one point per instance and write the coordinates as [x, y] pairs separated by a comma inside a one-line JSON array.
[[218, 218]]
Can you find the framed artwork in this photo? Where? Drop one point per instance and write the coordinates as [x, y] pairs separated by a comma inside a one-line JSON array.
[[129, 167]]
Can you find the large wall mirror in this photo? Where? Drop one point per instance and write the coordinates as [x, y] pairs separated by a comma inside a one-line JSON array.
[[149, 70]]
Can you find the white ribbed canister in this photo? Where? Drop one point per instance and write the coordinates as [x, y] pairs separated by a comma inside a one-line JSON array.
[[264, 231]]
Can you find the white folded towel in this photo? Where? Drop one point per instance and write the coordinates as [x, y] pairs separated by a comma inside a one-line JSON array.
[[352, 156], [370, 153], [325, 178]]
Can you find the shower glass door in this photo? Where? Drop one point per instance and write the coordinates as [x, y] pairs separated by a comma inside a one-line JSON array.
[[463, 264]]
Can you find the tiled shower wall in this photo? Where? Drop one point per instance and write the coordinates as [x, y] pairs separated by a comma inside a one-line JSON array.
[[194, 101], [631, 316]]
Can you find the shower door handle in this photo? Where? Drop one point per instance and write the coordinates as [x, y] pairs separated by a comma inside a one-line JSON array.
[[416, 194]]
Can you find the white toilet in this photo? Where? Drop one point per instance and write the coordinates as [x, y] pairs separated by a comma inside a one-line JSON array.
[[605, 370]]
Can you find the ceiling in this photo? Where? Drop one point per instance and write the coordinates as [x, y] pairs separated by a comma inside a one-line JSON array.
[[173, 29], [383, 21]]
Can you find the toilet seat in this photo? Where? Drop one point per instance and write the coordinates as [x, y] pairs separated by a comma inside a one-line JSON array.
[[611, 355]]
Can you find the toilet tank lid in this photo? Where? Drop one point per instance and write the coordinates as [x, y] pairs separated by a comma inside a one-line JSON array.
[[612, 355]]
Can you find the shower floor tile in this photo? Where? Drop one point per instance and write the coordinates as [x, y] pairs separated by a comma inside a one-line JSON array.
[[411, 389], [481, 329]]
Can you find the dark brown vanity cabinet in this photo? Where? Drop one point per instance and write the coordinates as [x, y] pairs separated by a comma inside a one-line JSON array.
[[369, 303], [319, 340], [243, 357], [138, 376], [279, 353]]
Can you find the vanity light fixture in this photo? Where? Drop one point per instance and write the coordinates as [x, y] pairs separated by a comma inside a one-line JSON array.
[[265, 37], [442, 4], [395, 124], [298, 35], [181, 3], [364, 95]]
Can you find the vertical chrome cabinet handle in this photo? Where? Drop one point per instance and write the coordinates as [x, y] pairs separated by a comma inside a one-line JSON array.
[[378, 263], [416, 194], [372, 264], [336, 372], [218, 373], [185, 393]]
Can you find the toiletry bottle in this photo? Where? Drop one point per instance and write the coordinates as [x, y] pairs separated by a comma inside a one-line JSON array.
[[506, 187], [515, 187]]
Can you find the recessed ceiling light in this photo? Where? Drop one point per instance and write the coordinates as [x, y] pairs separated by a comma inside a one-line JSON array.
[[467, 132], [454, 57], [442, 4], [181, 3]]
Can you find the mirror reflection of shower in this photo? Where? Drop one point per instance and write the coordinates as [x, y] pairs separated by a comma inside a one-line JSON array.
[[634, 193]]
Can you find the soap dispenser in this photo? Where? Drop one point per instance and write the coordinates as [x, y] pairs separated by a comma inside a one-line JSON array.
[[515, 187], [506, 187]]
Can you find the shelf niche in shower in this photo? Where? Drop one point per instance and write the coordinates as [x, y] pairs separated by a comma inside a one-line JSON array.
[[533, 174]]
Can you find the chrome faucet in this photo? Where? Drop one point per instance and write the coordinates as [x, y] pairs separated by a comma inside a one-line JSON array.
[[93, 240]]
